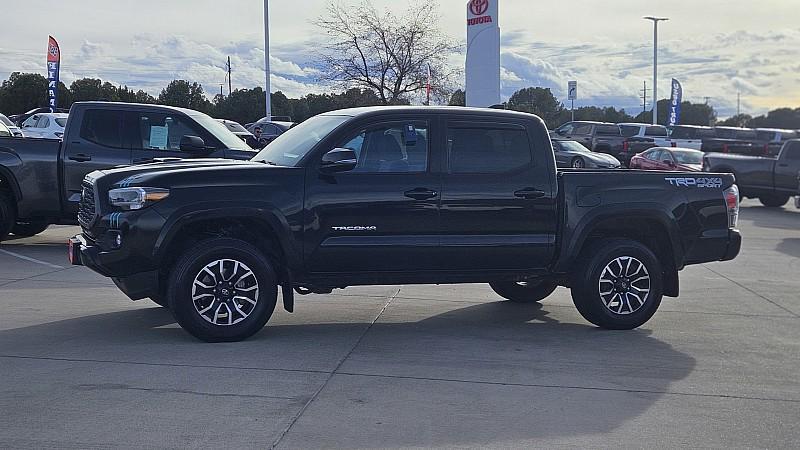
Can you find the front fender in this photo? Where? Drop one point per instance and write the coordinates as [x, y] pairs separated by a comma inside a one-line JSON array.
[[278, 225]]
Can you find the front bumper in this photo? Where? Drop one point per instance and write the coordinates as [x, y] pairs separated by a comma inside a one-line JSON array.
[[83, 252]]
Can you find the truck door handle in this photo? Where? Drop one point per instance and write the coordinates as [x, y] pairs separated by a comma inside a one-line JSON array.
[[420, 194], [80, 157], [529, 193]]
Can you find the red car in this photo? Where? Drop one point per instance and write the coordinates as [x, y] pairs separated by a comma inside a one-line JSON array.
[[668, 158]]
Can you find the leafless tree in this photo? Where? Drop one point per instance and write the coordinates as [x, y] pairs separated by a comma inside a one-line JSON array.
[[387, 53]]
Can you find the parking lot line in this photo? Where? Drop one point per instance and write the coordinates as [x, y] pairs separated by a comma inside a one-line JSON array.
[[33, 260]]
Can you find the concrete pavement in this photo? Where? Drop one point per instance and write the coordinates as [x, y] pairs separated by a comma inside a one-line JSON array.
[[407, 366]]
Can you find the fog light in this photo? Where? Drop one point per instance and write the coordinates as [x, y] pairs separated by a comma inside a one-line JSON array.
[[116, 238]]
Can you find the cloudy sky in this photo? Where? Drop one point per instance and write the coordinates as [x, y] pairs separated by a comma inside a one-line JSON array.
[[715, 47]]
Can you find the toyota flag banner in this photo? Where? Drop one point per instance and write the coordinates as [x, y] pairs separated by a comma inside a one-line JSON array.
[[675, 103], [53, 61]]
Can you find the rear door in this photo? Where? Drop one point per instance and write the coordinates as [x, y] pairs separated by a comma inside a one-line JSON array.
[[498, 209], [382, 216], [97, 145]]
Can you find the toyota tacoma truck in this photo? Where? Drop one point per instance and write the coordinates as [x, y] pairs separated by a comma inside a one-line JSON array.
[[40, 179], [399, 195], [772, 180]]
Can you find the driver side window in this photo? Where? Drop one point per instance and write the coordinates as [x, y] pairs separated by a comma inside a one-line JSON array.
[[390, 148]]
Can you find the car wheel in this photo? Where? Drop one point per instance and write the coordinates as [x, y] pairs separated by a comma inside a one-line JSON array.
[[28, 229], [8, 215], [524, 291], [223, 290], [578, 163], [773, 201], [619, 287]]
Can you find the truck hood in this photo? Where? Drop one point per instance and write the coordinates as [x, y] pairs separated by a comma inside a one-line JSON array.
[[200, 169]]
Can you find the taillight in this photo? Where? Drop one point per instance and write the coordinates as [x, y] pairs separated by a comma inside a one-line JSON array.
[[766, 149], [732, 204], [625, 145], [674, 144], [724, 148]]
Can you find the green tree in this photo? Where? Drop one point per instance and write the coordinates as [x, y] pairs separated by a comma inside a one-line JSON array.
[[739, 120], [183, 94], [93, 89], [539, 101], [779, 118], [459, 98], [691, 114]]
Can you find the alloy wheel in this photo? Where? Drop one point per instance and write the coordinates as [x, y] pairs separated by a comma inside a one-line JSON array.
[[624, 285], [225, 292]]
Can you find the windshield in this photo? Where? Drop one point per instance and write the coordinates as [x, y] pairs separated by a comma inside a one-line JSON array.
[[688, 156], [61, 121], [572, 146], [221, 132], [290, 147]]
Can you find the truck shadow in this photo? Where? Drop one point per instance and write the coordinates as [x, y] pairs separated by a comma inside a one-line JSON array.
[[789, 246], [490, 372], [786, 218]]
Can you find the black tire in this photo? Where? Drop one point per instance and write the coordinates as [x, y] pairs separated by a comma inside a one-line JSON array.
[[578, 163], [28, 229], [187, 311], [8, 215], [774, 201], [587, 288], [524, 292]]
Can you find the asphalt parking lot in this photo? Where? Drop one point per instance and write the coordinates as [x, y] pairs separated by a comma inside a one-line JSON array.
[[407, 366]]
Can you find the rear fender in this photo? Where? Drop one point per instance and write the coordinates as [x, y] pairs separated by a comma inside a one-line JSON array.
[[9, 164]]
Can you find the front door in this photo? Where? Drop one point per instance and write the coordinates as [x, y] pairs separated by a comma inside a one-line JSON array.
[[98, 145], [382, 216], [498, 207], [787, 168]]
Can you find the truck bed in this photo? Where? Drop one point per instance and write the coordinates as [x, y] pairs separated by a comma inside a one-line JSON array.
[[41, 169]]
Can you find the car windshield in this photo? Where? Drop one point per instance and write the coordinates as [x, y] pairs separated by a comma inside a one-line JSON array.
[[61, 121], [688, 156], [220, 131], [289, 148], [6, 120], [235, 127], [572, 146]]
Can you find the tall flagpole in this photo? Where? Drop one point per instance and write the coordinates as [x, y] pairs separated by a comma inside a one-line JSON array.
[[655, 64], [268, 88]]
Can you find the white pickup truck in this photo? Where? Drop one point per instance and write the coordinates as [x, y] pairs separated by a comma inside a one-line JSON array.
[[657, 134]]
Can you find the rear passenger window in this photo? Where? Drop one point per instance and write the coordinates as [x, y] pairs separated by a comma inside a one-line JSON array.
[[629, 130], [656, 131], [487, 150], [582, 128], [608, 130], [102, 127]]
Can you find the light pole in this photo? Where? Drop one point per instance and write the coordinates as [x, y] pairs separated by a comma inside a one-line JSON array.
[[266, 59], [655, 64]]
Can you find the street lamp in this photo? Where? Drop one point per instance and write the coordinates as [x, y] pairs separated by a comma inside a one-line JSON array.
[[266, 58], [655, 64]]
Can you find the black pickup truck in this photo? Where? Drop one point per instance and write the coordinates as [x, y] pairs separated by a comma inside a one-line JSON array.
[[393, 196], [773, 181], [600, 137], [40, 179]]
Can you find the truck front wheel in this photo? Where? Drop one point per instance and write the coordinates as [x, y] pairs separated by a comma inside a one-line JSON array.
[[222, 290], [774, 201], [8, 215], [524, 291], [619, 286]]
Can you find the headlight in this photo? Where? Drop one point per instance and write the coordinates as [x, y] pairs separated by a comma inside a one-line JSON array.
[[130, 198]]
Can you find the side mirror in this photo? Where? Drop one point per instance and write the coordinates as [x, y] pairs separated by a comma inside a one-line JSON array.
[[193, 144], [339, 160]]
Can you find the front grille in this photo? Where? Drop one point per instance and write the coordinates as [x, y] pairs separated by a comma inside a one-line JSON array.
[[86, 209]]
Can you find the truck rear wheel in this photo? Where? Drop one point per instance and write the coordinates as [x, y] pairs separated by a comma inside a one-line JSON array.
[[773, 201], [8, 215], [29, 228], [620, 285], [222, 290], [524, 291]]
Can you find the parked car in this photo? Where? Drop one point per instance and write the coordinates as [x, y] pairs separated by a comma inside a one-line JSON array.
[[5, 131], [40, 179], [18, 119], [237, 129], [363, 197], [669, 159], [598, 137], [270, 130], [45, 125], [12, 127], [772, 180], [743, 141], [572, 154], [657, 135], [689, 136], [773, 139]]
